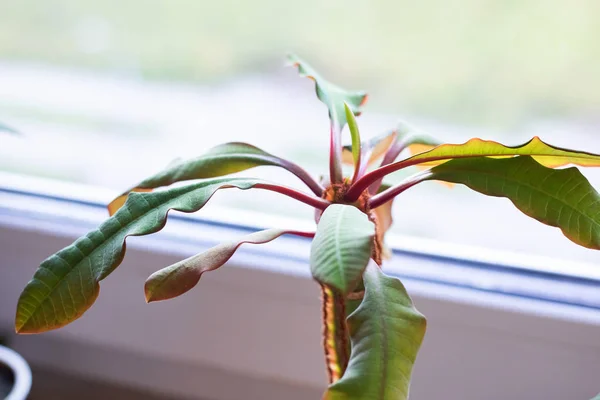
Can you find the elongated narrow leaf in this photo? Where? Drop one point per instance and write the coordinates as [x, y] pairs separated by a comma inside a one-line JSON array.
[[355, 136], [331, 95], [342, 247], [386, 332], [543, 153], [180, 277], [562, 198], [67, 283], [221, 160]]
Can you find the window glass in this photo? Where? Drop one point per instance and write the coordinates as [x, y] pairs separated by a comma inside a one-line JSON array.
[[108, 92]]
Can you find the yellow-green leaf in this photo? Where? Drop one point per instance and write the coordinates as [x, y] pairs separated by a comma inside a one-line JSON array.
[[543, 153], [355, 136], [386, 332]]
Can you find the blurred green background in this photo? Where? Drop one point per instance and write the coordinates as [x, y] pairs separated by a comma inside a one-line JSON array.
[[484, 62]]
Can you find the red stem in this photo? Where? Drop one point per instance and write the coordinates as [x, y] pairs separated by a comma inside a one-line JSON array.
[[316, 202], [304, 176], [361, 168], [389, 157], [356, 189], [394, 191], [335, 154], [301, 233]]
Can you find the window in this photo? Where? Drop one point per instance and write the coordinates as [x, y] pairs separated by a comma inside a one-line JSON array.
[[108, 92], [105, 95]]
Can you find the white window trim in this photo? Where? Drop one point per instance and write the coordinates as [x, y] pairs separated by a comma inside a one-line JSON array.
[[490, 336]]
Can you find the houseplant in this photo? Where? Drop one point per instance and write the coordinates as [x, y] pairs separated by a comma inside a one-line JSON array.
[[371, 330]]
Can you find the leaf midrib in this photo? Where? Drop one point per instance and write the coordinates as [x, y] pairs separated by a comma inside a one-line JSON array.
[[338, 254], [101, 246]]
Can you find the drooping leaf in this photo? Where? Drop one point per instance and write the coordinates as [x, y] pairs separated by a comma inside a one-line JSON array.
[[543, 153], [221, 160], [562, 198], [180, 277], [355, 136], [67, 283], [331, 95], [386, 333], [342, 247]]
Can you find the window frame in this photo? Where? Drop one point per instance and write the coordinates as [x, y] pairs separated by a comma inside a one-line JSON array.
[[471, 299]]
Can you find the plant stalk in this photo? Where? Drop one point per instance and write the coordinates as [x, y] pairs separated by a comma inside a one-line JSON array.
[[302, 197], [305, 177], [335, 154], [336, 342], [387, 195]]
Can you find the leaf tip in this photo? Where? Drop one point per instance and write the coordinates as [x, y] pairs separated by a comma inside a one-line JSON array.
[[22, 328], [149, 292]]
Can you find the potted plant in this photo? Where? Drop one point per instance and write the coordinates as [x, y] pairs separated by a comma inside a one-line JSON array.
[[15, 375], [371, 330]]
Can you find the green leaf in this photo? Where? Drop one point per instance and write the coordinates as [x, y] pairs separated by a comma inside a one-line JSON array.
[[543, 153], [342, 246], [355, 136], [67, 283], [180, 277], [331, 95], [386, 333], [221, 160], [562, 198]]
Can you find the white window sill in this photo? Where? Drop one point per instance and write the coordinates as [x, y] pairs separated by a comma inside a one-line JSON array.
[[496, 329]]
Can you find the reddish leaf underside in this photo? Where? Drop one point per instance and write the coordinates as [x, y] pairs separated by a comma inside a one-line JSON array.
[[180, 277]]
